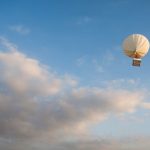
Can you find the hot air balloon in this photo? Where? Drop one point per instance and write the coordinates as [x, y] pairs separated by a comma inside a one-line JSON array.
[[136, 46]]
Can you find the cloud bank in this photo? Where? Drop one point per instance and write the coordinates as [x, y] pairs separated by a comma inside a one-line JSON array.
[[37, 104]]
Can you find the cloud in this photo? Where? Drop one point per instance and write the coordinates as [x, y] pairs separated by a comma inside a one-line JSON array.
[[35, 101], [129, 143], [146, 105], [98, 64], [20, 29], [38, 105], [7, 44], [122, 82], [104, 62], [26, 74], [84, 20], [80, 61]]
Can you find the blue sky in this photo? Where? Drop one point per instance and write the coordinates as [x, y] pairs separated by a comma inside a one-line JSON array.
[[80, 29], [68, 54]]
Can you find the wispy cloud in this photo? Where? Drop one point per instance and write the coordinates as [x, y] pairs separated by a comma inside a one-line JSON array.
[[101, 64], [126, 83], [20, 29], [81, 61], [84, 20], [7, 44]]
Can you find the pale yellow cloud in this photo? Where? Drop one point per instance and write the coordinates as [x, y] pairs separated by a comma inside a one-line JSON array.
[[146, 105]]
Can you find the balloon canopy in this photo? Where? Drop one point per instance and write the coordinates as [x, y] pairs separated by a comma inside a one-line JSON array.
[[136, 46]]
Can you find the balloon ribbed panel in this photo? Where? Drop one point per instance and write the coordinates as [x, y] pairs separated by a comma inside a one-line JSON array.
[[136, 45]]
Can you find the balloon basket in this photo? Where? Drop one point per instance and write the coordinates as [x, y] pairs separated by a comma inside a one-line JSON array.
[[136, 62]]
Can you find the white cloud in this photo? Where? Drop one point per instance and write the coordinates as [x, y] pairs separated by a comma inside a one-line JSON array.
[[34, 101], [20, 29], [37, 104], [26, 74]]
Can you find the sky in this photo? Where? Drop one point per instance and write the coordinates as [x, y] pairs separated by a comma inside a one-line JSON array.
[[65, 82]]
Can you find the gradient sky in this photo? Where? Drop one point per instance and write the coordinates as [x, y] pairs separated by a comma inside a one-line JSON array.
[[65, 82]]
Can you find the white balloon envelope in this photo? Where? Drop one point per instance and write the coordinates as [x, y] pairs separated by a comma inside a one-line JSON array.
[[136, 46]]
